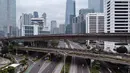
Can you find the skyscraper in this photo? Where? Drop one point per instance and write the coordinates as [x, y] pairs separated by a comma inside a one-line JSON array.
[[8, 17], [53, 25], [70, 10], [44, 17], [117, 16], [79, 23], [35, 14], [97, 5]]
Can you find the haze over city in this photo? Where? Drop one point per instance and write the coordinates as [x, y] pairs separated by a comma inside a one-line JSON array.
[[64, 36], [55, 9]]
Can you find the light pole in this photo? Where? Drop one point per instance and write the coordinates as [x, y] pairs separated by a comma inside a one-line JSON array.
[[64, 61], [16, 51]]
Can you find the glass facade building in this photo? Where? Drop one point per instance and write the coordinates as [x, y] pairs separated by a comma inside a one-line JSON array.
[[97, 5], [35, 14], [8, 17], [70, 10]]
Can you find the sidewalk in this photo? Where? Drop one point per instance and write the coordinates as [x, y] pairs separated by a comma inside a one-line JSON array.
[[4, 62], [58, 68]]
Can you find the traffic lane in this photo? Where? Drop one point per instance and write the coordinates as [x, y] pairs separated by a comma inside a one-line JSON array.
[[50, 68], [73, 67], [30, 62], [107, 67], [104, 70], [75, 45], [82, 66], [62, 44], [37, 66]]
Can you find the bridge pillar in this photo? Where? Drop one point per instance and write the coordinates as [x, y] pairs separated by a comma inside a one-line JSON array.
[[129, 69], [32, 44], [88, 62]]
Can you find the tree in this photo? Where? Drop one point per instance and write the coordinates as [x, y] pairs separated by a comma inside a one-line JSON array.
[[54, 43], [23, 62], [122, 49], [4, 71], [11, 69]]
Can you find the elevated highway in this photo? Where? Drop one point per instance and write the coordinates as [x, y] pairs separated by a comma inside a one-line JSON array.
[[113, 58], [114, 37]]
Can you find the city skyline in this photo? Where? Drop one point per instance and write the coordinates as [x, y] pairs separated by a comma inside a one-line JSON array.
[[57, 8]]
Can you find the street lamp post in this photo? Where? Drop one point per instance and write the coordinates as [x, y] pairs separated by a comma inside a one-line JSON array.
[[64, 61]]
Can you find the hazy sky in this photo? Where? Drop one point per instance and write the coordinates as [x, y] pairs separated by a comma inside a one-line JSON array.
[[55, 9]]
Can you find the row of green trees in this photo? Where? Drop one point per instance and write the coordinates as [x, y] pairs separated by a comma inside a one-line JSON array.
[[8, 47], [8, 70]]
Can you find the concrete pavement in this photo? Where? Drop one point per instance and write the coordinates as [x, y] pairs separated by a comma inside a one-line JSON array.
[[4, 62]]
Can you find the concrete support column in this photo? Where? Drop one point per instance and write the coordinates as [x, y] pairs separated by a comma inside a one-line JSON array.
[[129, 69], [89, 62]]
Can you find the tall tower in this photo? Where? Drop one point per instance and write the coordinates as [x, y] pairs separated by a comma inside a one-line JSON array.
[[70, 10], [8, 17], [44, 16], [97, 5]]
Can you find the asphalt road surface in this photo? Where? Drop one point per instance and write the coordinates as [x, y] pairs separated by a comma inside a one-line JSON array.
[[75, 45], [82, 66], [62, 44], [50, 68], [37, 66]]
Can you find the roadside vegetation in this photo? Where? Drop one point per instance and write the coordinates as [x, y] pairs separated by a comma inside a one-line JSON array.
[[54, 43], [95, 67], [67, 65], [8, 70]]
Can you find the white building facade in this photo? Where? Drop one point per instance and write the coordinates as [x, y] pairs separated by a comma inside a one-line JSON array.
[[95, 23], [32, 26], [117, 20], [117, 16]]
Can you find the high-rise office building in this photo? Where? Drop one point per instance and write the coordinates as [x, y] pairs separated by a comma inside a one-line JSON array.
[[95, 23], [70, 10], [117, 16], [35, 14], [32, 26], [25, 25], [56, 30], [79, 23], [85, 11], [8, 17], [62, 29], [97, 5], [44, 16], [53, 25]]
